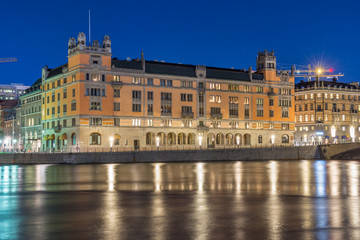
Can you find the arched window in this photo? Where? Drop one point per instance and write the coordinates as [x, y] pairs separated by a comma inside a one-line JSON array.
[[191, 138], [229, 139], [150, 138], [260, 139], [181, 138], [220, 139], [211, 140], [160, 138], [285, 138], [247, 140], [171, 138], [73, 139], [95, 139], [238, 139]]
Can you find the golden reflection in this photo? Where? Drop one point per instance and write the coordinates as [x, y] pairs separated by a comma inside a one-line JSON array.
[[273, 177], [335, 215], [201, 214], [353, 201], [111, 177], [353, 176], [158, 217], [334, 178], [274, 207], [40, 177], [238, 176], [111, 215], [306, 177], [157, 176], [158, 211], [200, 176]]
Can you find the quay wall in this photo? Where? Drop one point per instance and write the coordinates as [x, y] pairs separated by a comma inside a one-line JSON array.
[[276, 153]]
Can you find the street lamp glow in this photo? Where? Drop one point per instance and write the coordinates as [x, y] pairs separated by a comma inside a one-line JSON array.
[[319, 70], [273, 139], [157, 141], [333, 131], [200, 140], [237, 140], [111, 141], [352, 133]]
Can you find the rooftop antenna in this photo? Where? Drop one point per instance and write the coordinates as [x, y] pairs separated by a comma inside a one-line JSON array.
[[89, 29]]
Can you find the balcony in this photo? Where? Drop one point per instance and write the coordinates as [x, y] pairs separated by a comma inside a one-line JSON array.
[[166, 114], [202, 128], [117, 84], [335, 110], [353, 111], [57, 129], [187, 114], [216, 115], [271, 94]]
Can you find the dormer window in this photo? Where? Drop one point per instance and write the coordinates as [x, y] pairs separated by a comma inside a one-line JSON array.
[[95, 62]]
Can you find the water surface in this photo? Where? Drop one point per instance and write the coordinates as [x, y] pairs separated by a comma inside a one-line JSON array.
[[231, 200]]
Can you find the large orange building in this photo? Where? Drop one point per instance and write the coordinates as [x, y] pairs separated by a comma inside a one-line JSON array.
[[96, 101]]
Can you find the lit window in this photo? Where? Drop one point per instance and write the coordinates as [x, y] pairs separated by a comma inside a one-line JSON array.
[[136, 80], [136, 122]]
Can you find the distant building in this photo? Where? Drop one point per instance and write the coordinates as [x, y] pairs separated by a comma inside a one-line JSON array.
[[326, 112], [30, 118], [7, 114], [12, 91]]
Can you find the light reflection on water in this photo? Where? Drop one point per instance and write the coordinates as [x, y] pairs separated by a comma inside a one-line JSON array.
[[233, 200]]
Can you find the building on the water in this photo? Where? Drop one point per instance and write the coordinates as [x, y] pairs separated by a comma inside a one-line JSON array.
[[326, 112], [96, 101]]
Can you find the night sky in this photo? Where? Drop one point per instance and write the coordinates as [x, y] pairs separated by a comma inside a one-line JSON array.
[[214, 33]]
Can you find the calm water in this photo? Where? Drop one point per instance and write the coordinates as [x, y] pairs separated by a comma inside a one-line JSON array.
[[234, 200]]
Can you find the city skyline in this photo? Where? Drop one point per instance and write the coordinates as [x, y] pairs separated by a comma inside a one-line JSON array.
[[197, 33]]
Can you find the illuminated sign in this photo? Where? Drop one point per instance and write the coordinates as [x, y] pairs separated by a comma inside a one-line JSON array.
[[319, 133]]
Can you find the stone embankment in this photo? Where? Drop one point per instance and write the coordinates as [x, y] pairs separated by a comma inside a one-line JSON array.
[[275, 153]]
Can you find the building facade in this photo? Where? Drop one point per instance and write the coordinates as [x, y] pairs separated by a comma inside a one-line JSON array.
[[326, 112], [10, 142], [30, 118], [96, 102]]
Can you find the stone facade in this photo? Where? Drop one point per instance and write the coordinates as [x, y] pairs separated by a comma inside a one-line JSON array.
[[327, 112], [96, 102], [30, 115]]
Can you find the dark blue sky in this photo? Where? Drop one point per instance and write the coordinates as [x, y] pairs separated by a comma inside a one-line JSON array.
[[214, 33]]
